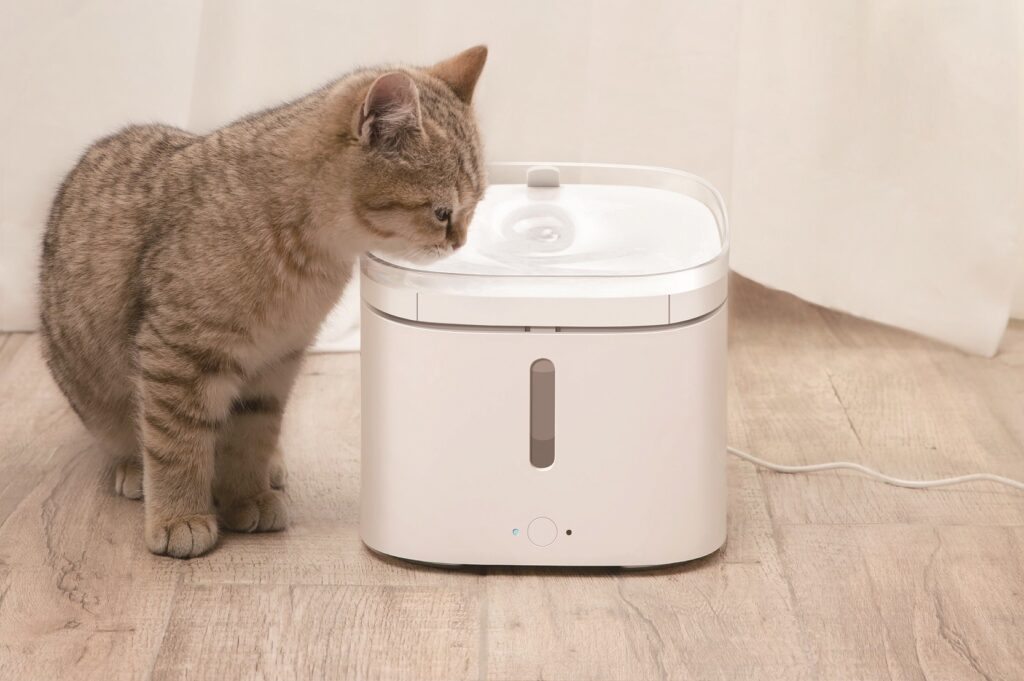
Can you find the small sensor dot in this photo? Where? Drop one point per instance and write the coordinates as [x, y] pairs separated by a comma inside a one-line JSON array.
[[568, 532]]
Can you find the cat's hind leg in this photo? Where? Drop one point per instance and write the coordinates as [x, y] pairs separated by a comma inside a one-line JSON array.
[[117, 437], [250, 469], [278, 470], [128, 477]]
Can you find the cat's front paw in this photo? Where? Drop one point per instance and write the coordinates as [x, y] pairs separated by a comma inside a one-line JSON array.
[[263, 512], [184, 537]]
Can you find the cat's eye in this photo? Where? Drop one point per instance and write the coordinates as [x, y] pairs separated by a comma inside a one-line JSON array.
[[443, 214]]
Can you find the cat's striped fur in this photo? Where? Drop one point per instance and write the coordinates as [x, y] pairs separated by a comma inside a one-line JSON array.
[[183, 276]]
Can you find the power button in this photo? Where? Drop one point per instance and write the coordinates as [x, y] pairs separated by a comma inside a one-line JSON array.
[[542, 531]]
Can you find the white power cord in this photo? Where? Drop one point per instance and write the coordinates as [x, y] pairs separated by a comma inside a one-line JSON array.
[[872, 473]]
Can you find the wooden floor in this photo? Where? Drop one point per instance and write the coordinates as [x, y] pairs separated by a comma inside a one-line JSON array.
[[826, 576]]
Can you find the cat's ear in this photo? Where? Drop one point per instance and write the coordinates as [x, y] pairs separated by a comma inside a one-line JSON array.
[[390, 113], [462, 71]]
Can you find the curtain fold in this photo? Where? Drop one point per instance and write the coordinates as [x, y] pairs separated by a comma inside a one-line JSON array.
[[870, 151]]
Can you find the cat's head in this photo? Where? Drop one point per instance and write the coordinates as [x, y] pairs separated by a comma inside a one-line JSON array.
[[417, 168]]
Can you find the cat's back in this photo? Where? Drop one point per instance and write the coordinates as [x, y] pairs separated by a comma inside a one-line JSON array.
[[100, 222], [102, 213], [113, 172]]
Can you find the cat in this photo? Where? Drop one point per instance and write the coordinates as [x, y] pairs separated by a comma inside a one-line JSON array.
[[183, 276]]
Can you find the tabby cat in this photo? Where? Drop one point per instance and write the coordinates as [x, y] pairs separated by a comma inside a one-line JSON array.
[[184, 276]]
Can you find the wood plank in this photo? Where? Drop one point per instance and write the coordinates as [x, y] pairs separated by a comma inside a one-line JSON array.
[[80, 597], [909, 602], [321, 632], [38, 430]]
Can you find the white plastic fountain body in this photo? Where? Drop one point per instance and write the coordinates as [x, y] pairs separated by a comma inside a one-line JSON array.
[[553, 393]]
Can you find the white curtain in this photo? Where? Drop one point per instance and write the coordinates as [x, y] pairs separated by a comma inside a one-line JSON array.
[[870, 150], [878, 160]]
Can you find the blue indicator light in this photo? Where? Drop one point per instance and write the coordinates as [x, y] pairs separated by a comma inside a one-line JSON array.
[[515, 532]]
